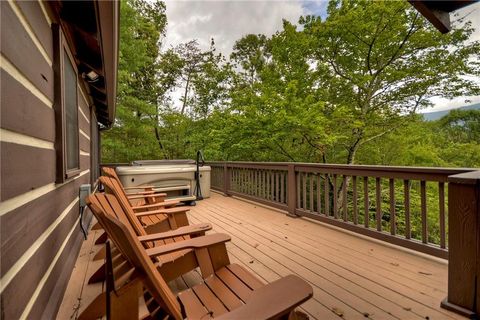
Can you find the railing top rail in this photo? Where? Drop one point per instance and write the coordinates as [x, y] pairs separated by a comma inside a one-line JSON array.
[[420, 173]]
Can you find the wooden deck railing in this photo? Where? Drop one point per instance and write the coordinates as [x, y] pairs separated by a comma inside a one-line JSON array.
[[401, 205]]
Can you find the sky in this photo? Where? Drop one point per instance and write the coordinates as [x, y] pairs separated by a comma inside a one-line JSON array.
[[227, 21]]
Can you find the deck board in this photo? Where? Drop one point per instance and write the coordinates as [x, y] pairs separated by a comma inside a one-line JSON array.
[[352, 277]]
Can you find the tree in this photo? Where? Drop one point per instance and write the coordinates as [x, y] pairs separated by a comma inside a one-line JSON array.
[[135, 130], [379, 60]]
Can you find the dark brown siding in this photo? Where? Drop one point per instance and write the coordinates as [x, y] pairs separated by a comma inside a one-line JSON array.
[[24, 113], [51, 295], [20, 50], [25, 168], [84, 143], [32, 272], [84, 162], [22, 226], [32, 222], [34, 15]]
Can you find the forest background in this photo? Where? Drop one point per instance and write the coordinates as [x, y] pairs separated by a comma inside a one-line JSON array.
[[346, 89]]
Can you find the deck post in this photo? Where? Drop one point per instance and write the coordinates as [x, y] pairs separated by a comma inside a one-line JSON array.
[[464, 244], [291, 191], [226, 179]]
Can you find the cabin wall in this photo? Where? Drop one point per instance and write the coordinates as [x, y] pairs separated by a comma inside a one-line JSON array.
[[39, 232]]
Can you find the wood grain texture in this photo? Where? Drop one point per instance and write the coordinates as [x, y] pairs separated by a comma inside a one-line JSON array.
[[19, 49], [463, 216], [22, 226], [15, 300], [20, 169], [23, 112], [39, 25]]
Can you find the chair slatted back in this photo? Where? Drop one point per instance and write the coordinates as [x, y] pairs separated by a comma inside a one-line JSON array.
[[115, 210], [110, 172], [134, 252], [113, 187]]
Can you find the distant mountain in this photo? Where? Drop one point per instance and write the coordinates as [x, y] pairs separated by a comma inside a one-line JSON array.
[[432, 116]]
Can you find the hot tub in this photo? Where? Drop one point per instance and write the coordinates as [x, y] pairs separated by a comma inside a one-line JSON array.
[[176, 178]]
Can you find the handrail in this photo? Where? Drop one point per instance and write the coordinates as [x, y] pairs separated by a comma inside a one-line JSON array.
[[406, 206]]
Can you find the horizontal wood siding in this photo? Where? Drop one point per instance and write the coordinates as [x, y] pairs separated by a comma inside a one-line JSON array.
[[25, 168], [40, 27], [84, 143], [23, 112], [20, 50], [28, 277], [39, 233], [22, 226], [51, 295]]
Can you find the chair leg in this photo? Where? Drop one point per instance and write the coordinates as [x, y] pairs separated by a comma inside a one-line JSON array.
[[98, 276], [96, 309], [124, 302], [100, 255], [97, 226], [102, 238], [298, 315]]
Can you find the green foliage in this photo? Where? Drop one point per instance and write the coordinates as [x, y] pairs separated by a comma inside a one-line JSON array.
[[341, 90]]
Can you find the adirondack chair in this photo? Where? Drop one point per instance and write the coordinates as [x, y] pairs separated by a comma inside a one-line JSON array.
[[141, 201], [228, 291], [121, 210], [173, 264], [147, 196], [155, 217]]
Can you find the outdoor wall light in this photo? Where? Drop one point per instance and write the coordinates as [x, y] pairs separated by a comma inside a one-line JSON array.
[[91, 76]]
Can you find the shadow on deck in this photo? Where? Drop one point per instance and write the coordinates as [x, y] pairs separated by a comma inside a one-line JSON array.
[[352, 277]]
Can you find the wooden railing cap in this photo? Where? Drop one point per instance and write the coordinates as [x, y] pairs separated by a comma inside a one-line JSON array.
[[472, 177]]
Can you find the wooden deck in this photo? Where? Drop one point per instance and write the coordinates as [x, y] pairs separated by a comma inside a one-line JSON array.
[[352, 277]]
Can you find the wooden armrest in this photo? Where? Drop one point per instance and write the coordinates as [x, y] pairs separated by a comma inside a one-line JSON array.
[[139, 192], [145, 195], [169, 211], [166, 203], [139, 187], [182, 231], [195, 243], [273, 300], [148, 192]]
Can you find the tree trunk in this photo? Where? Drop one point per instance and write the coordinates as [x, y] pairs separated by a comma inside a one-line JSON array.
[[352, 151], [185, 94], [157, 135]]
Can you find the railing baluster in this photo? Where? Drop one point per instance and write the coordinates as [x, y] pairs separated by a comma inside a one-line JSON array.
[[250, 180], [302, 193], [269, 183], [335, 197], [355, 200], [441, 207], [291, 186], [282, 187], [277, 187], [299, 204], [366, 203], [304, 190], [344, 200], [262, 181], [326, 195], [393, 225], [272, 185], [423, 204], [319, 195], [406, 201], [255, 185], [378, 203], [312, 209]]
